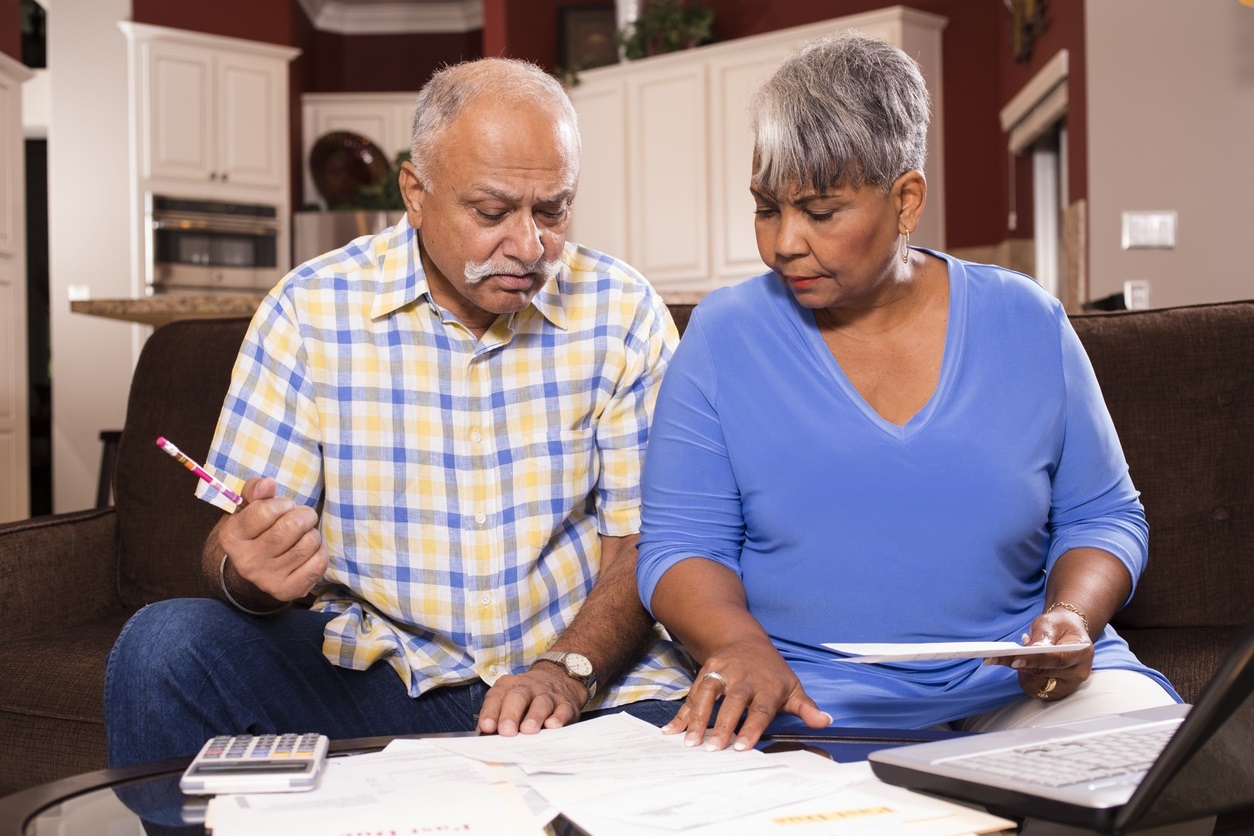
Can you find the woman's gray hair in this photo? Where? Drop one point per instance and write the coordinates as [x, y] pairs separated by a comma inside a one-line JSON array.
[[451, 89], [845, 108]]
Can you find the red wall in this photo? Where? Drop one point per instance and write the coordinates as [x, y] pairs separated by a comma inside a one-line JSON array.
[[1064, 30], [386, 63], [255, 20], [527, 28], [980, 75], [329, 63], [10, 28]]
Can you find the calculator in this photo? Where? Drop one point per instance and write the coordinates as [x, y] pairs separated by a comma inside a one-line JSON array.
[[256, 763]]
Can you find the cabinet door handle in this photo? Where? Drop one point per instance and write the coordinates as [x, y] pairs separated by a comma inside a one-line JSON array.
[[213, 175]]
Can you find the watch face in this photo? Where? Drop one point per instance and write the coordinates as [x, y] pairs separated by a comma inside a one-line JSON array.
[[578, 665]]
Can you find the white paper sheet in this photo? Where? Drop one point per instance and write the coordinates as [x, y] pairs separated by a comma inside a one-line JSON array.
[[411, 784], [612, 776], [848, 800], [925, 651], [616, 746]]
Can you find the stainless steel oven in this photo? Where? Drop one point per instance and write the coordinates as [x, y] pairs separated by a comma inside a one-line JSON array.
[[210, 246]]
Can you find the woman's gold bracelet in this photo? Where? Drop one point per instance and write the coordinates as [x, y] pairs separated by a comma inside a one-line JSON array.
[[1073, 608]]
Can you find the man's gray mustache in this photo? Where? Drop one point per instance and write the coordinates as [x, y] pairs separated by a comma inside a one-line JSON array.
[[478, 271]]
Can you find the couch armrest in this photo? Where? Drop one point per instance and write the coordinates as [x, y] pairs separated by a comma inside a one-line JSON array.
[[57, 571]]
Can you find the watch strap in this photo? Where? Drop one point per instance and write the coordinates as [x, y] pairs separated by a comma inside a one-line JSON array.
[[558, 657]]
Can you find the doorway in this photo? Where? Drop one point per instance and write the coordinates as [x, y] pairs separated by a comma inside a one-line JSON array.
[[38, 332]]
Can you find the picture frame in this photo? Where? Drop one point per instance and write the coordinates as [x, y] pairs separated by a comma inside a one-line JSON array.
[[585, 37]]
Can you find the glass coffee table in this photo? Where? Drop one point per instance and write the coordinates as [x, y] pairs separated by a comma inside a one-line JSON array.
[[143, 800], [146, 800]]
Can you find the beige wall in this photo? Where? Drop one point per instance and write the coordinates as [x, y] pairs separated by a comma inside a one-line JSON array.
[[1171, 127], [89, 237]]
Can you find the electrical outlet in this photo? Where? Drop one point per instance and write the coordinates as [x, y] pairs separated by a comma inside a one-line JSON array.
[[1136, 295]]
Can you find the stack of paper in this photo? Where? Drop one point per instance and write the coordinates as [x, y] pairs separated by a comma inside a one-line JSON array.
[[612, 776], [619, 776], [411, 787]]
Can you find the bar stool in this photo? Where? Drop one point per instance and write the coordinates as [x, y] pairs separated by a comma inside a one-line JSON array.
[[104, 490]]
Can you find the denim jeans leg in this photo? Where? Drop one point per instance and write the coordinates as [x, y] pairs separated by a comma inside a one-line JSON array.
[[657, 712], [185, 670]]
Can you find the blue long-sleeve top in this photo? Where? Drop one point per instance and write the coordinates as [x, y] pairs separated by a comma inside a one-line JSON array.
[[845, 527]]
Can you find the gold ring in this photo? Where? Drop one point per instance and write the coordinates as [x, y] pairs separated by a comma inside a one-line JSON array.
[[715, 675], [1050, 684]]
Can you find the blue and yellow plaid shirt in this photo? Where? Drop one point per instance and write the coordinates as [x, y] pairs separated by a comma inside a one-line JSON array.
[[463, 483]]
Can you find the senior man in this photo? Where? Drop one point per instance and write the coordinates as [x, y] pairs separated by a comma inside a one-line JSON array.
[[439, 431]]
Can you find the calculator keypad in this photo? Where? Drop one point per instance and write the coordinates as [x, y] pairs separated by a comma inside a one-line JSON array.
[[247, 763], [261, 746]]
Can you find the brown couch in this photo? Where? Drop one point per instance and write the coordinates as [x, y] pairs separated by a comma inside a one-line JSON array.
[[1180, 384]]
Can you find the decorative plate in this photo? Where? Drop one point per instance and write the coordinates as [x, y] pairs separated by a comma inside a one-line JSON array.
[[343, 162]]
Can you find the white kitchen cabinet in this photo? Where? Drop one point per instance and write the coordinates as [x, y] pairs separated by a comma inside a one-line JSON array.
[[209, 112], [14, 416], [383, 118], [209, 121], [667, 150]]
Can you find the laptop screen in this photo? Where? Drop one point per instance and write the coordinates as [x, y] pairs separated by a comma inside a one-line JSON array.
[[1205, 769], [1213, 761]]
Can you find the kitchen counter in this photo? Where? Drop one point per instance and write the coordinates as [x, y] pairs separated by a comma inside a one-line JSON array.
[[158, 310]]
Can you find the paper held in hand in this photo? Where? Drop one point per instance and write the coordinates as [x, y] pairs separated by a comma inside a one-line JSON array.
[[926, 651]]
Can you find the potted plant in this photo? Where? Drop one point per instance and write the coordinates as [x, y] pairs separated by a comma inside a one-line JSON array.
[[385, 193], [666, 26]]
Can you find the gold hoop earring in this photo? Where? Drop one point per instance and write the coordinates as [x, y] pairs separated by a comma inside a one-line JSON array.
[[905, 253]]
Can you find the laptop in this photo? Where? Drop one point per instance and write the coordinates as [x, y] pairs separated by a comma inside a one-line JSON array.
[[1181, 763]]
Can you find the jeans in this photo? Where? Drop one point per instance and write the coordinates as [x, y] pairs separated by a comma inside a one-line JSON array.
[[185, 670]]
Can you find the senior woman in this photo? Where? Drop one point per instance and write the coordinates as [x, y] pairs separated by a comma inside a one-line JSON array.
[[879, 443]]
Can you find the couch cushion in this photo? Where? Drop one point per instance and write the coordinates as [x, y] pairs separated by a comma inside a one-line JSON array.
[[51, 713], [177, 391], [1187, 656], [57, 569], [681, 314], [1179, 383]]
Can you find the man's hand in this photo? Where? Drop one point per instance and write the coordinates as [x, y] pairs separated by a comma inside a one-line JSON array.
[[273, 543], [611, 628], [542, 698], [755, 683]]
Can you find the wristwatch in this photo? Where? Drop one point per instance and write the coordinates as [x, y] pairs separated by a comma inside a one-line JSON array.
[[576, 666]]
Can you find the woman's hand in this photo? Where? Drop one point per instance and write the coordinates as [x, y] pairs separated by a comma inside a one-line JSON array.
[[1086, 586], [755, 683], [1053, 676]]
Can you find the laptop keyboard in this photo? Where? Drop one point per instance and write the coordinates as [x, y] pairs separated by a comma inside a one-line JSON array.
[[1076, 760]]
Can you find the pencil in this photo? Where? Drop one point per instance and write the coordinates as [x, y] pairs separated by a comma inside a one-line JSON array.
[[198, 470]]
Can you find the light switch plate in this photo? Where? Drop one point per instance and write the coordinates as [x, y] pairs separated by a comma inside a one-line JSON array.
[[1149, 230]]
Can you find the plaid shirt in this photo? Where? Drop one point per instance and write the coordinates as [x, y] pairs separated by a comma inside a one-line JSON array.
[[463, 482]]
